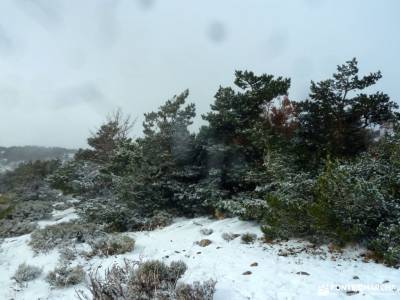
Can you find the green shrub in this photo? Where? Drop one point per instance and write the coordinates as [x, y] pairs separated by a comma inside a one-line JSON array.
[[287, 203], [346, 207], [248, 238], [387, 244]]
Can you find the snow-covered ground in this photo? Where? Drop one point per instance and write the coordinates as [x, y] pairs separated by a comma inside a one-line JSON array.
[[311, 273]]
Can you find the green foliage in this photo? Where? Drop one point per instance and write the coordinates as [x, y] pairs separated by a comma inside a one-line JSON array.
[[248, 238], [238, 133], [80, 177], [346, 207], [387, 243], [159, 171], [27, 178], [337, 118]]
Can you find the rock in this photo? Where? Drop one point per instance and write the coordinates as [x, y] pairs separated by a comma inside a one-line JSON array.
[[283, 253], [229, 236], [254, 264], [303, 273], [385, 281], [351, 293], [204, 243], [198, 252], [247, 273], [356, 277], [206, 231]]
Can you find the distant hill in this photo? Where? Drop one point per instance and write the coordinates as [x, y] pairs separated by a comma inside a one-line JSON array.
[[12, 156]]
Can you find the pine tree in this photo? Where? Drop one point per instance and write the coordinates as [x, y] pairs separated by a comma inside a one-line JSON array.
[[338, 118]]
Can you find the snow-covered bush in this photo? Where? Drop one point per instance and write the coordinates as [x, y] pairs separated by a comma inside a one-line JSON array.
[[20, 217], [347, 207], [27, 181], [287, 202], [80, 177], [344, 202], [26, 273], [64, 276], [115, 216], [243, 206], [196, 291], [67, 254], [387, 243], [43, 240], [11, 228], [227, 236], [248, 238], [146, 280], [111, 245]]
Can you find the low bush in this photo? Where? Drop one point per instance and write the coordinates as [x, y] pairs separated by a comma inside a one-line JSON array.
[[387, 244], [115, 216], [43, 240], [80, 178], [67, 254], [248, 238], [64, 276], [12, 228], [26, 273], [196, 291], [146, 280], [111, 245]]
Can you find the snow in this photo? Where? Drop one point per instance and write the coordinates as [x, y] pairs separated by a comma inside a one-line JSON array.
[[275, 276], [63, 216]]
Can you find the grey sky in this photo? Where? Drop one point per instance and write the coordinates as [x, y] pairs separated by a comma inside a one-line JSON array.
[[65, 64]]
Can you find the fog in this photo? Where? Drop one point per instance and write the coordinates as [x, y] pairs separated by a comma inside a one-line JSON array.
[[65, 64]]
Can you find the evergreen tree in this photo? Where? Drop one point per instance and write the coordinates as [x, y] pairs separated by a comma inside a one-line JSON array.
[[161, 169], [239, 125], [338, 118]]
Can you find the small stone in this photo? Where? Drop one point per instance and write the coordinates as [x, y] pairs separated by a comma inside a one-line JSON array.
[[356, 277], [177, 252], [199, 252], [204, 243], [206, 231], [385, 281], [283, 253], [254, 264], [303, 273], [351, 293], [247, 273]]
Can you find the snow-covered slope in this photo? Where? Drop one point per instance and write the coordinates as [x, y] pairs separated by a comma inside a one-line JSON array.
[[276, 273]]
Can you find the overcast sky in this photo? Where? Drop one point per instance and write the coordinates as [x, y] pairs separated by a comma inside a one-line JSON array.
[[65, 64]]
